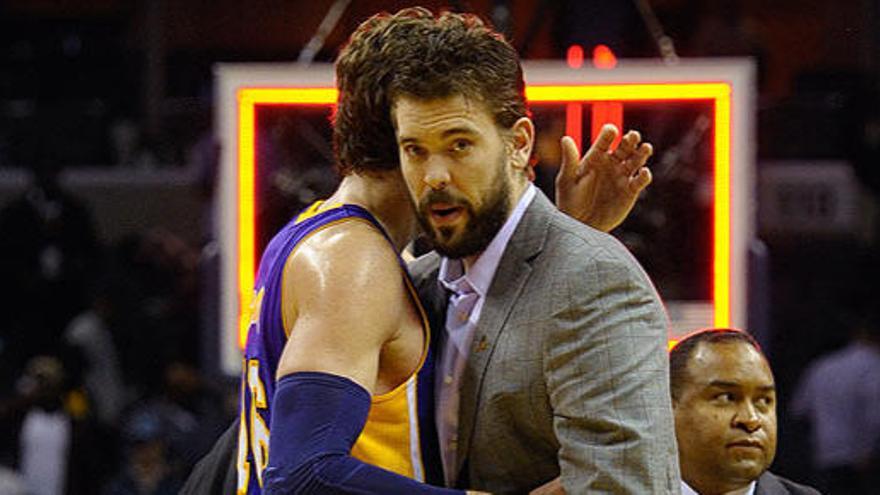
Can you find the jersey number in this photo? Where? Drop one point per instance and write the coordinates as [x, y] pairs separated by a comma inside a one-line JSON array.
[[255, 435]]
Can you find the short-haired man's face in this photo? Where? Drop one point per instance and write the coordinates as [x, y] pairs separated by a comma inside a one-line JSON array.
[[725, 417], [459, 168]]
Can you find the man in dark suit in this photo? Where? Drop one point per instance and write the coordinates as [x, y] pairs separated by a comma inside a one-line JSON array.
[[724, 401]]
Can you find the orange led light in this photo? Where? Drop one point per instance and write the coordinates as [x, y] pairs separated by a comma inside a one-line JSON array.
[[603, 57], [248, 99], [287, 96], [574, 117], [721, 224], [628, 92], [246, 210], [607, 112], [574, 56], [717, 92]]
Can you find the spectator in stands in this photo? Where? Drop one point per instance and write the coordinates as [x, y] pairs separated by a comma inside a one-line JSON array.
[[146, 469], [191, 415], [839, 396], [154, 276], [59, 451], [89, 334], [724, 401], [48, 251]]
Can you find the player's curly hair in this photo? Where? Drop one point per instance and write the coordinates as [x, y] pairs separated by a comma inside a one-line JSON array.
[[417, 53]]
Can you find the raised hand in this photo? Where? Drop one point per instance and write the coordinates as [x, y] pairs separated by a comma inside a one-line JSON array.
[[601, 189]]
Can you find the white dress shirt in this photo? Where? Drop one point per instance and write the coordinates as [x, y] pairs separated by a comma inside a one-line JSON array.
[[456, 343], [687, 490]]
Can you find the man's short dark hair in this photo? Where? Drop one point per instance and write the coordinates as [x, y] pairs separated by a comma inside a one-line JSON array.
[[458, 54], [680, 355]]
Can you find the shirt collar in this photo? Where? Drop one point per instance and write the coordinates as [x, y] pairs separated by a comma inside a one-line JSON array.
[[687, 490], [481, 273]]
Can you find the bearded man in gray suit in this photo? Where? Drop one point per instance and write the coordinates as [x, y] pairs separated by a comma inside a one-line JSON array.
[[553, 359]]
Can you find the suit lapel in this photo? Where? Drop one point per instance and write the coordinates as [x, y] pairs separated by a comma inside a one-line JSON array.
[[433, 298], [768, 485], [510, 278]]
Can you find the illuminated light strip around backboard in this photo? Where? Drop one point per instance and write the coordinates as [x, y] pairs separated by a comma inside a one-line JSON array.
[[719, 93]]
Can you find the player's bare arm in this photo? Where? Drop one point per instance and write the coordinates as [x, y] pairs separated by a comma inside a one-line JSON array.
[[349, 338], [343, 301]]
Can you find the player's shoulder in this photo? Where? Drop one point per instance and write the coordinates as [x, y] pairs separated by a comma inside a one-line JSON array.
[[344, 254], [353, 238]]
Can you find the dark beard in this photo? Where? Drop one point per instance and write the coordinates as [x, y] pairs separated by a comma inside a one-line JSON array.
[[481, 228]]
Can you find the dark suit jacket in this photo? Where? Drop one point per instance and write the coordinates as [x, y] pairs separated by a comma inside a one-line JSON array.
[[770, 484], [215, 474]]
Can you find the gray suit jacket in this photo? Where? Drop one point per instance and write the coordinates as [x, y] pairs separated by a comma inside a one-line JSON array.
[[568, 373]]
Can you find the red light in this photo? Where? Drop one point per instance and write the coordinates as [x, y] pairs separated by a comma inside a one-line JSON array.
[[573, 96], [574, 116], [607, 112], [603, 57], [575, 56]]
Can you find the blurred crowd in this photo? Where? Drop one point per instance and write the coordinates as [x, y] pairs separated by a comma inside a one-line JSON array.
[[101, 390]]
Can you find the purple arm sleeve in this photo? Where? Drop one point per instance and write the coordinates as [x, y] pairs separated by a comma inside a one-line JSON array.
[[316, 419]]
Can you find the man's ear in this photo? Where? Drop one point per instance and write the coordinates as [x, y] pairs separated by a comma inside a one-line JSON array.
[[522, 141]]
